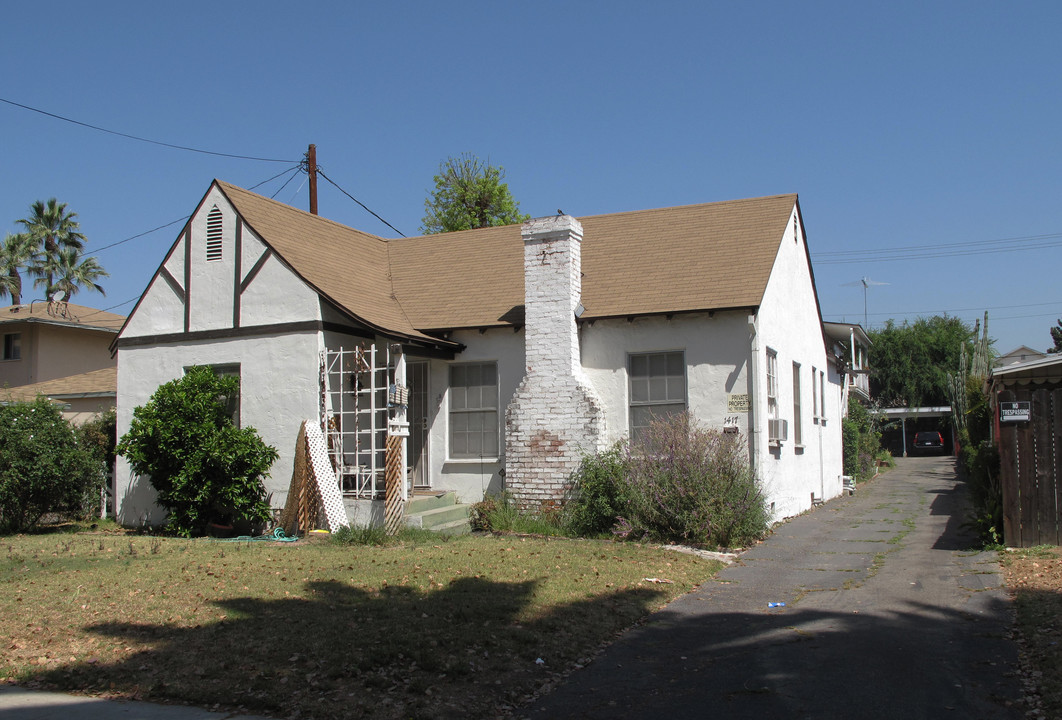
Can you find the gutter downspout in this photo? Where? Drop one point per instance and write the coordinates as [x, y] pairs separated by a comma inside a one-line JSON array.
[[754, 401]]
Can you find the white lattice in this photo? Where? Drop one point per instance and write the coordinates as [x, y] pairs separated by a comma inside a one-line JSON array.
[[325, 477]]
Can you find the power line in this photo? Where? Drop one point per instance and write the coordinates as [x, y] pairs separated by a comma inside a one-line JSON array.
[[146, 232], [359, 202], [919, 252], [141, 139]]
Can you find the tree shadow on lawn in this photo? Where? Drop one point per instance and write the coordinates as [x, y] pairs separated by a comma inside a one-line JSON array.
[[456, 651]]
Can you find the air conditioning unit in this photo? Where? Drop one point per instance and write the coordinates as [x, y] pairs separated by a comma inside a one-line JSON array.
[[777, 430]]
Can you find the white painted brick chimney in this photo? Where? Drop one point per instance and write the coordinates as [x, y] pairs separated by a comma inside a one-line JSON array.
[[555, 416]]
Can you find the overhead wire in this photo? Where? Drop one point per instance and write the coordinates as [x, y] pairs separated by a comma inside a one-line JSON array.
[[918, 252], [138, 138], [365, 207]]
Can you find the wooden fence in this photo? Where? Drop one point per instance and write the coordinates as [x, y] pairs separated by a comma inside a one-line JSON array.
[[1031, 468]]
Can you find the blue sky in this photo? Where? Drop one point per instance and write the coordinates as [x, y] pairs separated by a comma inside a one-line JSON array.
[[925, 133]]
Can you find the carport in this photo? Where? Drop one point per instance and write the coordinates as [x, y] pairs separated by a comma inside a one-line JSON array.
[[904, 414]]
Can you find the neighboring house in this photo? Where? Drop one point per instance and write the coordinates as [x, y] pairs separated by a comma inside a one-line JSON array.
[[1020, 354], [851, 348], [506, 353], [60, 350]]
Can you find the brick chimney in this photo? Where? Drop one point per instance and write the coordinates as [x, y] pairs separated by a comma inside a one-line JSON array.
[[555, 416]]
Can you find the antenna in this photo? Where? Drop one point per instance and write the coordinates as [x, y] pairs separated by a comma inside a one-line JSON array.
[[865, 282]]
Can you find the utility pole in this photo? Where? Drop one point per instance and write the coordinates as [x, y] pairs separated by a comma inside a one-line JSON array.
[[311, 170]]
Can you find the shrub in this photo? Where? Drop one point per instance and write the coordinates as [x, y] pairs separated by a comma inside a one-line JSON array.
[[861, 441], [500, 513], [690, 484], [597, 496], [204, 468], [43, 467]]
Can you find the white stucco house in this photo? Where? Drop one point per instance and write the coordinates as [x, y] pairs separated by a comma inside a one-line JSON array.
[[509, 351]]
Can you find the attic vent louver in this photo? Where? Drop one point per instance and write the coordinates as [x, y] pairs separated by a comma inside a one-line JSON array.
[[213, 243]]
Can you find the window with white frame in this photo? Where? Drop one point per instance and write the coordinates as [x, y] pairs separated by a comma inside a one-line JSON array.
[[13, 346], [657, 388], [232, 403], [797, 438], [772, 383], [814, 394], [822, 396], [474, 410]]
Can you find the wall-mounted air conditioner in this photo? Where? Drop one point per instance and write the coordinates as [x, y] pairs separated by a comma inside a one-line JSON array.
[[777, 430]]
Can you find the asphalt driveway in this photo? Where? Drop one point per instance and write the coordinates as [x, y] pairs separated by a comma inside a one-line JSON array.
[[888, 614]]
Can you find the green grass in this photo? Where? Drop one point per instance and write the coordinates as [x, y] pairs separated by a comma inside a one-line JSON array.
[[321, 629]]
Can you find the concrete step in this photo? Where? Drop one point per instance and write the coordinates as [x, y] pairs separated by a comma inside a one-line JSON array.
[[422, 502], [436, 517]]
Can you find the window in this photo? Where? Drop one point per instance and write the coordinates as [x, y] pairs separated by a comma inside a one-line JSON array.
[[657, 388], [822, 396], [232, 404], [213, 243], [814, 394], [474, 410], [13, 346], [772, 383], [796, 404]]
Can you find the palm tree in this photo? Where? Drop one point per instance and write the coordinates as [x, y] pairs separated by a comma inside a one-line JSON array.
[[52, 228], [71, 272], [17, 252]]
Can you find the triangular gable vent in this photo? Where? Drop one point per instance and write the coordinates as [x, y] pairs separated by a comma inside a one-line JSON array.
[[213, 244]]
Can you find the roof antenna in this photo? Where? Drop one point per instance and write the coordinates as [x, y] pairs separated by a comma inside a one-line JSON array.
[[865, 282]]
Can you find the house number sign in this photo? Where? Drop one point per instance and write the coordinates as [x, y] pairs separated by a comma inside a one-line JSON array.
[[1020, 411]]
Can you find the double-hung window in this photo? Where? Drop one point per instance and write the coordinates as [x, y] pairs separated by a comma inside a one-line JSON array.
[[657, 388], [772, 383], [13, 346], [474, 410], [797, 436]]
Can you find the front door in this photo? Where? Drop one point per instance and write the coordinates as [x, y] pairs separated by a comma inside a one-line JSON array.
[[417, 378]]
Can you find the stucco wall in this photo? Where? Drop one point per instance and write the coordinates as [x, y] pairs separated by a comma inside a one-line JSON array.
[[789, 324], [471, 479], [278, 389], [716, 350], [54, 351]]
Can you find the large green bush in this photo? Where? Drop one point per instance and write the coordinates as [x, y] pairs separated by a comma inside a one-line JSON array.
[[684, 483], [204, 468], [598, 493], [44, 469]]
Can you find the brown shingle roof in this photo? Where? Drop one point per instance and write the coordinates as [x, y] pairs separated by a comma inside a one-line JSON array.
[[680, 259], [346, 266], [62, 314], [94, 383]]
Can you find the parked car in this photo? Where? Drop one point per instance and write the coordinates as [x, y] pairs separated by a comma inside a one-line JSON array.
[[929, 442]]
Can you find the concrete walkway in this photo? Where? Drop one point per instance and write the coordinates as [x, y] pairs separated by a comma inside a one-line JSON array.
[[18, 703], [888, 614]]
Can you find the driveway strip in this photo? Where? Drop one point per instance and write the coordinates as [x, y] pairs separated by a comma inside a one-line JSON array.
[[888, 614]]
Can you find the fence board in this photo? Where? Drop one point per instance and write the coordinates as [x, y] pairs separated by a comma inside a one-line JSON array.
[[1008, 477], [1026, 478], [1043, 463]]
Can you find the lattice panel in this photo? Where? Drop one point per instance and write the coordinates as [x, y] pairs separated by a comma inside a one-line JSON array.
[[393, 478], [325, 477]]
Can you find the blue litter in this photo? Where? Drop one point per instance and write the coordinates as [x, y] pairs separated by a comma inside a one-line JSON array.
[[775, 604]]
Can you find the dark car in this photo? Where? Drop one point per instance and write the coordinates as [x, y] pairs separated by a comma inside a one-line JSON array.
[[929, 442]]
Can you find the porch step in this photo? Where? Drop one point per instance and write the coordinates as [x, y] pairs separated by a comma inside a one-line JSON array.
[[439, 513]]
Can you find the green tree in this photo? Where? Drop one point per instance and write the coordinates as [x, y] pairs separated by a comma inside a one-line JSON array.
[[204, 468], [909, 363], [469, 194], [17, 253], [1056, 337], [52, 228], [70, 271], [43, 466]]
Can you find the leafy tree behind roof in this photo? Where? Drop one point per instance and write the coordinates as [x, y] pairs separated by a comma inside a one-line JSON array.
[[910, 362], [469, 194]]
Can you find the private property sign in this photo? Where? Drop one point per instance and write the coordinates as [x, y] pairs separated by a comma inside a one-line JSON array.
[[1015, 411]]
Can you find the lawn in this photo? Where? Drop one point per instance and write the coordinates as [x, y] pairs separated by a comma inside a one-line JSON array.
[[448, 628]]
